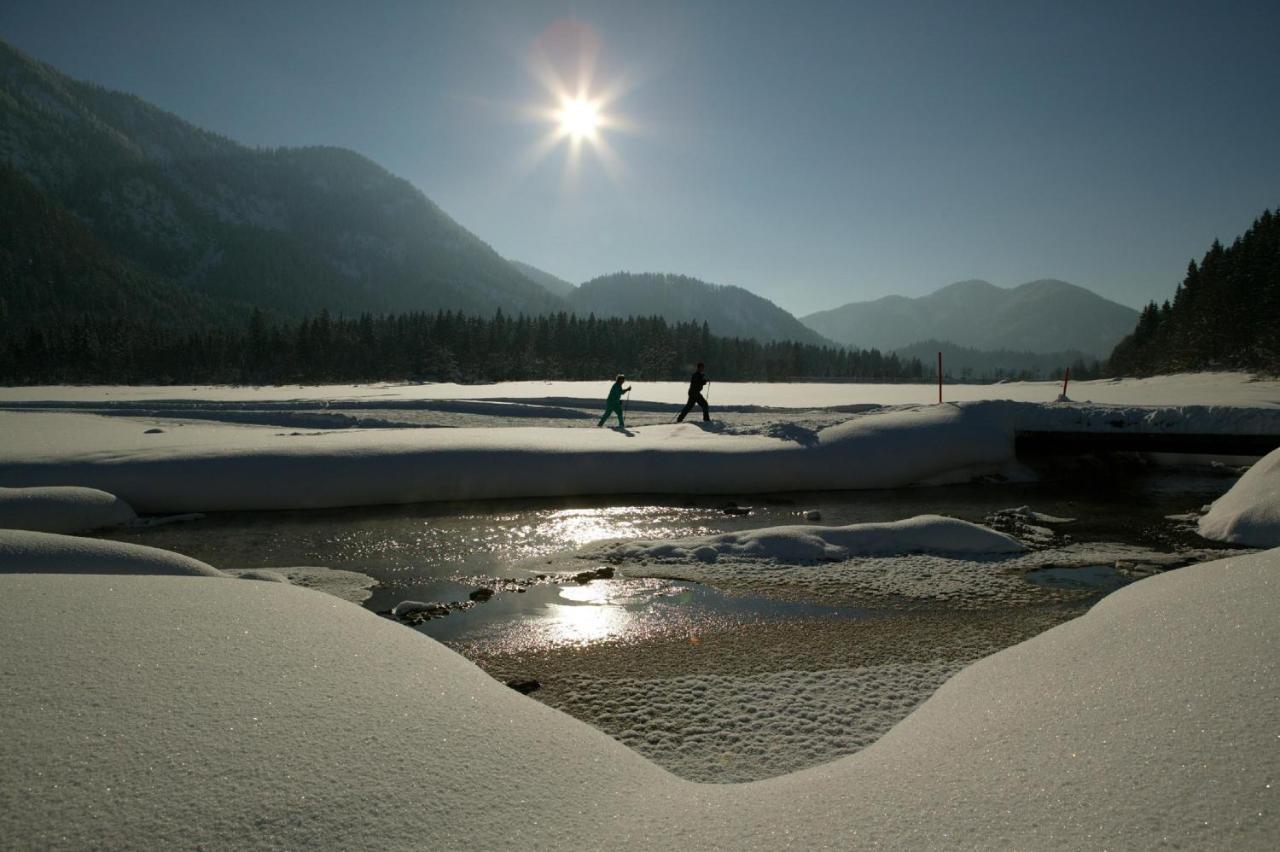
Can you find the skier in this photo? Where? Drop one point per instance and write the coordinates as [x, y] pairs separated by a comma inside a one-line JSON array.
[[696, 383], [613, 405]]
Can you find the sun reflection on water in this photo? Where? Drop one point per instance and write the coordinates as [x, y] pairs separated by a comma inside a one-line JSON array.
[[577, 624]]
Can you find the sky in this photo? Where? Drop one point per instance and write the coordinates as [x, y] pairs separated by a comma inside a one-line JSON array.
[[814, 153]]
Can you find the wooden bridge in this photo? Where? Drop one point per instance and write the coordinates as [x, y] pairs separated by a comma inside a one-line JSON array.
[[1033, 443]]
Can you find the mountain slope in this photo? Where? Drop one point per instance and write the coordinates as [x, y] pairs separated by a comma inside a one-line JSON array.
[[53, 271], [1040, 316], [729, 311], [294, 230], [553, 284]]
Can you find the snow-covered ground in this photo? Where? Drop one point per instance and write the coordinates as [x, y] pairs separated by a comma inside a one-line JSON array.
[[275, 716], [198, 449], [1232, 389]]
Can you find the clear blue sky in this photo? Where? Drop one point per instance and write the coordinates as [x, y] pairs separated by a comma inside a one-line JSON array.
[[815, 153]]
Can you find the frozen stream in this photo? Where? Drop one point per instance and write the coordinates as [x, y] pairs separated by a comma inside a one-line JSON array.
[[443, 551]]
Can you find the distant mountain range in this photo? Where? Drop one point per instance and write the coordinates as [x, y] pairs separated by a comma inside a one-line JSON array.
[[291, 230], [730, 311], [964, 362], [1040, 316], [553, 284], [125, 209]]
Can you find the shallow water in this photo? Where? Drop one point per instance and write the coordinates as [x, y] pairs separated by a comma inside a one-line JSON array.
[[443, 551]]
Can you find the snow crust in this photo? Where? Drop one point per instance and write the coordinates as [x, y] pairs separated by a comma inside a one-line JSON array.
[[799, 543], [1249, 513], [61, 509], [22, 552], [193, 713]]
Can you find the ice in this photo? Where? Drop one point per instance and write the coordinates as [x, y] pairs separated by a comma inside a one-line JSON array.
[[188, 712], [61, 509], [1249, 513]]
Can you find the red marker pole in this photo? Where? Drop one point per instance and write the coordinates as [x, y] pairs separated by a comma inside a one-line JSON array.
[[939, 378], [1066, 378]]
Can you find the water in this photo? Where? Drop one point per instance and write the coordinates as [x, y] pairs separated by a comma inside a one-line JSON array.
[[443, 551]]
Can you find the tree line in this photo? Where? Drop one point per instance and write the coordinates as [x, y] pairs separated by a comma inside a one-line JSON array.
[[1225, 314], [420, 346]]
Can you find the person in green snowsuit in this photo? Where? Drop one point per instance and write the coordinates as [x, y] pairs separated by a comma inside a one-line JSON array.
[[613, 405]]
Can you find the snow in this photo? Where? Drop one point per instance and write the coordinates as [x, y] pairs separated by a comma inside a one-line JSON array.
[[797, 544], [918, 563], [213, 449], [22, 551], [221, 467], [1208, 389], [1249, 513], [186, 713], [61, 509]]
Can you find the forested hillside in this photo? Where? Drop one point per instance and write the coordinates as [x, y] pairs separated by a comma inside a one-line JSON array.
[[1224, 315], [440, 346], [291, 230], [731, 311], [53, 271]]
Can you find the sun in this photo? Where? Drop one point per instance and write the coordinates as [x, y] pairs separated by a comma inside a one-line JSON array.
[[579, 118]]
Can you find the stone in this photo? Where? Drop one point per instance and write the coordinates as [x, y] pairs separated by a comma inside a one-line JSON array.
[[524, 685]]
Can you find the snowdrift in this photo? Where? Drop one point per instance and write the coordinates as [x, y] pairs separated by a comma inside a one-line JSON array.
[[34, 552], [1249, 513], [220, 467], [801, 543], [192, 713], [64, 509]]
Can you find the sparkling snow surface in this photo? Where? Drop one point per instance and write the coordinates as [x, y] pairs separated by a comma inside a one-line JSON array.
[[276, 716]]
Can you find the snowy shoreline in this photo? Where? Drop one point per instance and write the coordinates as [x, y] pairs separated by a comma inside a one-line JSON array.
[[278, 716], [186, 467]]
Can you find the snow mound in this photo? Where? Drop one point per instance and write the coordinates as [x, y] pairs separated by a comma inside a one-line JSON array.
[[61, 509], [1249, 513], [805, 544], [243, 715], [25, 552], [349, 585]]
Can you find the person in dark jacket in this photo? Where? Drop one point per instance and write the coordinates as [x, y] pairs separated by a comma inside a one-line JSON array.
[[696, 383]]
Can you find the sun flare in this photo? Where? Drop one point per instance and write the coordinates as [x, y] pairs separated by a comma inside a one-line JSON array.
[[579, 118]]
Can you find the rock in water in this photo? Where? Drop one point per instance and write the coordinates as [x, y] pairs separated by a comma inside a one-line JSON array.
[[524, 685]]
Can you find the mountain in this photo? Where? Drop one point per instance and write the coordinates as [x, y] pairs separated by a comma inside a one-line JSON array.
[[553, 284], [292, 230], [54, 271], [1040, 316], [1224, 315], [729, 311], [963, 362]]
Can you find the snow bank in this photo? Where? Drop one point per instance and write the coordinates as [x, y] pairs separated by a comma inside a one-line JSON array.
[[220, 467], [24, 552], [802, 543], [61, 509], [1250, 512], [188, 713], [214, 466], [1177, 390]]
